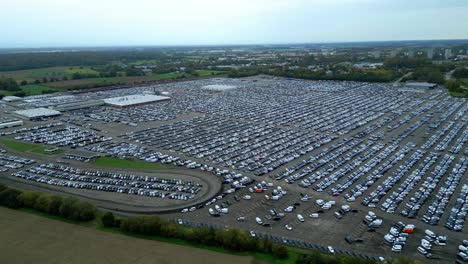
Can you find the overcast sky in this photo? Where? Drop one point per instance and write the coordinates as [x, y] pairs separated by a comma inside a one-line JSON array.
[[47, 23]]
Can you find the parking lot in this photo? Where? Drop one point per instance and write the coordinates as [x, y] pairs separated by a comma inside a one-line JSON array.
[[302, 162]]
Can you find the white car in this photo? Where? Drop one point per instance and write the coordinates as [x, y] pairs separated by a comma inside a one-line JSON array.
[[422, 250], [288, 227], [252, 233], [300, 218], [397, 248], [258, 220], [331, 249], [389, 238]]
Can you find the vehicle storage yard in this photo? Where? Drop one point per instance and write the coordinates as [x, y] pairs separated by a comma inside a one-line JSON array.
[[365, 169]]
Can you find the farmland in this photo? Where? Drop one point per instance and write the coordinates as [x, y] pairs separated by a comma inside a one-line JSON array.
[[45, 240]]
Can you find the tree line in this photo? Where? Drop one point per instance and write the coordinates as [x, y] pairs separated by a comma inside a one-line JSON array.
[[69, 207], [362, 75], [23, 61], [9, 84]]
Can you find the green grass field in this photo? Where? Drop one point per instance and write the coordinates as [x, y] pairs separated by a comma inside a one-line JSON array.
[[209, 72], [27, 147], [60, 72], [38, 74], [35, 89], [81, 70], [130, 164]]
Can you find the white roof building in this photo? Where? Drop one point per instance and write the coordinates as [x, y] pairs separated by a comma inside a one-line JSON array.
[[11, 98], [37, 113], [137, 99]]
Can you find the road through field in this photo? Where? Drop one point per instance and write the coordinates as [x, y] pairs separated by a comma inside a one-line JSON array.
[[28, 238]]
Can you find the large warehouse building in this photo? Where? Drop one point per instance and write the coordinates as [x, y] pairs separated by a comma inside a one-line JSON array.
[[134, 100], [37, 113], [6, 123]]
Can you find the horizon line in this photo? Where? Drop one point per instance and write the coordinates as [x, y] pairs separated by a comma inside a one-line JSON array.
[[228, 45]]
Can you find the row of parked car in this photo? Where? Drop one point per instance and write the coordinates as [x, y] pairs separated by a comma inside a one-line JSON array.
[[12, 162], [65, 176], [462, 255], [29, 129], [407, 186], [430, 240], [398, 235], [415, 203], [458, 212], [439, 203], [378, 193], [63, 136]]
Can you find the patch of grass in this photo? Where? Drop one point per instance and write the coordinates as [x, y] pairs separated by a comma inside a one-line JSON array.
[[131, 164], [462, 94], [465, 81], [209, 72], [83, 70], [35, 89], [167, 76], [27, 147]]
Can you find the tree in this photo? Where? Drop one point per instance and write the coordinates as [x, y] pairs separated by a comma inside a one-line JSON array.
[[42, 203], [9, 84], [9, 198], [24, 82], [108, 219], [453, 86], [20, 94], [28, 199], [54, 203], [67, 207]]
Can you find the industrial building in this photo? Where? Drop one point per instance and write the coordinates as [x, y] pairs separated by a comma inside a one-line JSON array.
[[134, 100], [6, 123], [11, 98], [37, 113], [420, 85]]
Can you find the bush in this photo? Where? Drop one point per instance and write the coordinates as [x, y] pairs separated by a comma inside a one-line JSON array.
[[280, 251], [28, 199], [144, 225], [108, 219], [83, 211], [42, 202], [9, 198], [53, 206], [67, 207], [2, 187]]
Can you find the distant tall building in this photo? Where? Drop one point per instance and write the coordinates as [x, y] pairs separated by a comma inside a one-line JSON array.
[[393, 53], [430, 53], [448, 54]]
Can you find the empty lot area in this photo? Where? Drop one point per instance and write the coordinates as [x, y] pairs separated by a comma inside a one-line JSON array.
[[34, 239]]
